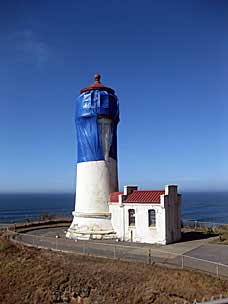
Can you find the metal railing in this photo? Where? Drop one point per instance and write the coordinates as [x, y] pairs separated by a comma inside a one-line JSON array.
[[7, 228], [130, 253], [127, 253], [124, 252], [218, 301], [187, 223], [204, 225]]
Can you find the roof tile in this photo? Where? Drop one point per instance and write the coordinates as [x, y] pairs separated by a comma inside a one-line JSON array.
[[145, 196], [139, 196], [114, 196]]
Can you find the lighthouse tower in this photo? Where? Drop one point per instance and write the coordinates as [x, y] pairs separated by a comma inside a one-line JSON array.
[[97, 116]]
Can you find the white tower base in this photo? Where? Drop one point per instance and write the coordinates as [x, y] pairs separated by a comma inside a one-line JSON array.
[[91, 227], [95, 181]]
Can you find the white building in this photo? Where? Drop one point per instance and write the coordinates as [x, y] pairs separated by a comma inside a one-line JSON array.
[[152, 216]]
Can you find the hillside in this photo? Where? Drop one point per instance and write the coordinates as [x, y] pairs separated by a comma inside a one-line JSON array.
[[29, 275]]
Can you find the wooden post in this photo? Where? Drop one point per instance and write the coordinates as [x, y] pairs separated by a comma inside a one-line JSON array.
[[114, 252], [149, 256], [217, 270]]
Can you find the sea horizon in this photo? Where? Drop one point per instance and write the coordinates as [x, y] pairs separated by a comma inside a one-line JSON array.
[[73, 192], [205, 206]]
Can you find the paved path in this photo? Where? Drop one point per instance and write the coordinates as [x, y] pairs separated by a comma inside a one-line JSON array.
[[200, 249], [211, 252], [188, 254], [49, 232], [176, 248]]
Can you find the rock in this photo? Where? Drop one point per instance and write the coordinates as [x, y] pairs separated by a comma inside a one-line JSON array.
[[66, 298], [56, 297], [85, 292]]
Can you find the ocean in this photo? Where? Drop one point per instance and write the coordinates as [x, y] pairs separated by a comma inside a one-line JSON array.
[[200, 206]]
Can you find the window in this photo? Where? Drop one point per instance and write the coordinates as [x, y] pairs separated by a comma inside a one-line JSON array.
[[131, 217], [152, 218]]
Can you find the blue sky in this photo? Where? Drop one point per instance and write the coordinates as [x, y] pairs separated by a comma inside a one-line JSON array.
[[167, 61]]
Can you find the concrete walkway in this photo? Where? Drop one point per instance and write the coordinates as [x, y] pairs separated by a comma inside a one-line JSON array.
[[201, 248], [188, 246], [211, 252]]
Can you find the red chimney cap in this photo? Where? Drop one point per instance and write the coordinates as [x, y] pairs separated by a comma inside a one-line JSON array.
[[97, 85]]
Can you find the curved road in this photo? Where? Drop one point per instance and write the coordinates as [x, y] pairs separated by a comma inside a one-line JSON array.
[[197, 254]]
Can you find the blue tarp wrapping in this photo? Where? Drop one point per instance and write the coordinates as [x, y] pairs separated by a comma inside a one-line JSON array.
[[90, 106]]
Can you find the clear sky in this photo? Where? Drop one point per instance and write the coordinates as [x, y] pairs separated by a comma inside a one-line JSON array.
[[167, 61]]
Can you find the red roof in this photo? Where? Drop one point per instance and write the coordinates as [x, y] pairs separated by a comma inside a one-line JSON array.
[[139, 196], [114, 196], [145, 196], [97, 85]]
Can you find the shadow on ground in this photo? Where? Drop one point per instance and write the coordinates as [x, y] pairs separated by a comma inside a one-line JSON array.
[[188, 236]]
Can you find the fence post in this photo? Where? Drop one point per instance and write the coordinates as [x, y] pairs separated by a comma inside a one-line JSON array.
[[56, 242], [114, 252], [195, 225], [182, 261], [149, 256], [217, 270], [83, 248]]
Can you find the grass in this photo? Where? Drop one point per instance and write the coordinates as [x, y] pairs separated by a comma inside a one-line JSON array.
[[206, 232], [223, 234], [4, 245], [29, 275]]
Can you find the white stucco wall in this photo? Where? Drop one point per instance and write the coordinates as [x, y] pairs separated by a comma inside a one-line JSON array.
[[141, 232], [168, 219], [95, 180]]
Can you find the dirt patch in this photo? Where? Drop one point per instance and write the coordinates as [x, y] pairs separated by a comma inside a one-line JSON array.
[[29, 275]]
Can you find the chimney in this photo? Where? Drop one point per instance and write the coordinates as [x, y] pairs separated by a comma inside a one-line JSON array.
[[129, 189], [170, 189]]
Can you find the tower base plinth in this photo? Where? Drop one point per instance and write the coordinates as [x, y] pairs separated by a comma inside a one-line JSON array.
[[91, 227]]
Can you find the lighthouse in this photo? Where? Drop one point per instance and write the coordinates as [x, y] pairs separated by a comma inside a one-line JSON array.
[[96, 119]]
